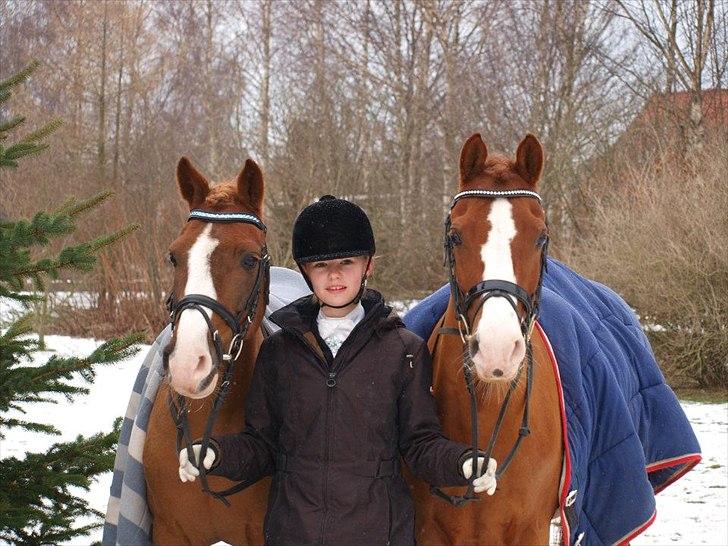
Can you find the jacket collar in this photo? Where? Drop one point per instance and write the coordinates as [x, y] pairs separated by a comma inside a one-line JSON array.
[[300, 316]]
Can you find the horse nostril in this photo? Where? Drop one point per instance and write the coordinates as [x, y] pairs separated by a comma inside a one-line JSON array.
[[201, 363], [517, 352], [498, 372]]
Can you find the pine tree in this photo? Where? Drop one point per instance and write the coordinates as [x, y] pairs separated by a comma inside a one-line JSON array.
[[37, 501]]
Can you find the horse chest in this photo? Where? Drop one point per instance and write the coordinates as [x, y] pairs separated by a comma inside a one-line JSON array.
[[520, 510], [172, 502]]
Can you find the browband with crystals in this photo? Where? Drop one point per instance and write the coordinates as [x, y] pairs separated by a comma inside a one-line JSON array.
[[226, 217], [494, 194]]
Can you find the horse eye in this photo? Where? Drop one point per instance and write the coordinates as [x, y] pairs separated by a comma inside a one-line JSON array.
[[172, 259], [542, 240], [455, 239], [249, 261]]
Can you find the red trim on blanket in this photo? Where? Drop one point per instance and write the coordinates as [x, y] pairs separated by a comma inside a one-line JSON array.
[[624, 541], [565, 531], [688, 460]]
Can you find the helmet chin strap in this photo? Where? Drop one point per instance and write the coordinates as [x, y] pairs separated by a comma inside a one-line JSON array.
[[362, 287]]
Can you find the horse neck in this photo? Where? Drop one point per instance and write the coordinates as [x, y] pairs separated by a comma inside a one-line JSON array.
[[244, 365]]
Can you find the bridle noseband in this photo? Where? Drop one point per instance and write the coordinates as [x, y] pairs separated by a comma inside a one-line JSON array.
[[239, 324], [480, 293]]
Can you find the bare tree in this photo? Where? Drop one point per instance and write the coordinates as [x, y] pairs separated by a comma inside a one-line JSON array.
[[679, 34]]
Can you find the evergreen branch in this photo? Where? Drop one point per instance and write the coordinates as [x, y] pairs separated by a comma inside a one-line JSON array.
[[108, 352], [20, 327], [7, 163], [37, 504], [16, 151], [28, 425], [43, 132], [72, 257], [24, 233], [107, 240], [22, 298], [36, 501], [9, 125], [20, 77], [20, 149], [81, 257], [73, 208]]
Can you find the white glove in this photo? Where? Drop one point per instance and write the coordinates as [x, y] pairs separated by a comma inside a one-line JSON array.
[[188, 471], [484, 482]]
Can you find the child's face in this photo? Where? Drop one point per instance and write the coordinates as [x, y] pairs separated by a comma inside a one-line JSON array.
[[336, 282]]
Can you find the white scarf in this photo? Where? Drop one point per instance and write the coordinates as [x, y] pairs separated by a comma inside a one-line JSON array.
[[334, 331]]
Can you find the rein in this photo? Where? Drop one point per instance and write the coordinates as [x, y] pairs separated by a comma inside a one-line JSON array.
[[239, 325], [481, 292]]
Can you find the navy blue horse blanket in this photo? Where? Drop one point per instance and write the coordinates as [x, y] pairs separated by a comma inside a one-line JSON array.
[[628, 437]]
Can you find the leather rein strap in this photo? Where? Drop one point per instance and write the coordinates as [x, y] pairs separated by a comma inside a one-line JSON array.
[[479, 294], [239, 325]]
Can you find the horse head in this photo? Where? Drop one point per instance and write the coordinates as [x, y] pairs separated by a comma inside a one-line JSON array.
[[220, 277], [496, 239]]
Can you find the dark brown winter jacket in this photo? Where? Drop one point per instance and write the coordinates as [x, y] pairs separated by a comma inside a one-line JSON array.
[[332, 430]]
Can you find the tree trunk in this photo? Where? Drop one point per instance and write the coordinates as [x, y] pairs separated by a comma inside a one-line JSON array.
[[213, 144], [101, 135], [266, 9], [117, 115]]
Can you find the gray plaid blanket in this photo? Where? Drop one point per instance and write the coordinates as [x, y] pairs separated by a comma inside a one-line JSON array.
[[128, 520]]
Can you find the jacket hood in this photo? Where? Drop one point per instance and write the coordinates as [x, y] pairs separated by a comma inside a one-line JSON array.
[[300, 315]]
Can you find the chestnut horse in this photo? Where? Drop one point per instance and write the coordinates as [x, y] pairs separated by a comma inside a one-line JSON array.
[[496, 237], [219, 262]]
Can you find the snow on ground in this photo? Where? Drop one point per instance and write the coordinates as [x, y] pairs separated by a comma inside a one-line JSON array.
[[692, 511]]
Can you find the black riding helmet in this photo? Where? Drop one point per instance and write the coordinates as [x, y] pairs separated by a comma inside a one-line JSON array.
[[331, 229]]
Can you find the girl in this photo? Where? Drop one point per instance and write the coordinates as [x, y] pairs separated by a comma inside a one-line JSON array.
[[337, 396]]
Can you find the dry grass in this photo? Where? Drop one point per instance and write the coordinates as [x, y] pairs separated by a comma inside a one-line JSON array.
[[661, 240]]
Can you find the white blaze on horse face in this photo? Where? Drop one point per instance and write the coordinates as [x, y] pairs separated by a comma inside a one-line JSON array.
[[500, 344], [191, 362]]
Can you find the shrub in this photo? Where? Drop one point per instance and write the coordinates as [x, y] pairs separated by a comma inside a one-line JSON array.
[[659, 236]]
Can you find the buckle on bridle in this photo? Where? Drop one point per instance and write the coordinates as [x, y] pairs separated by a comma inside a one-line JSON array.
[[235, 342], [463, 325], [529, 331]]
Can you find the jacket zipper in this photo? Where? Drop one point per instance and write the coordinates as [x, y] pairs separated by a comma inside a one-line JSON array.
[[330, 384], [331, 374]]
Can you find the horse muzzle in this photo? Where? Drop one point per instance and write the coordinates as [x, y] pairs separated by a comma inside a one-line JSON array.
[[497, 346], [192, 373]]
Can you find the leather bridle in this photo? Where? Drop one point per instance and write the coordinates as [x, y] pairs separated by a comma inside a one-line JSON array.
[[479, 294], [239, 324]]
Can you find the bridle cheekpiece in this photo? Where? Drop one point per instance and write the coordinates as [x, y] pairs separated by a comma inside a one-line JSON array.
[[239, 324], [482, 291]]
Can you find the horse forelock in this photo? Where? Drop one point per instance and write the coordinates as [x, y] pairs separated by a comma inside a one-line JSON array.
[[500, 170], [224, 196]]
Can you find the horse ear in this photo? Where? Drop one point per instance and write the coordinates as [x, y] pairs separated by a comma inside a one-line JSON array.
[[472, 158], [529, 159], [250, 185], [192, 185]]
